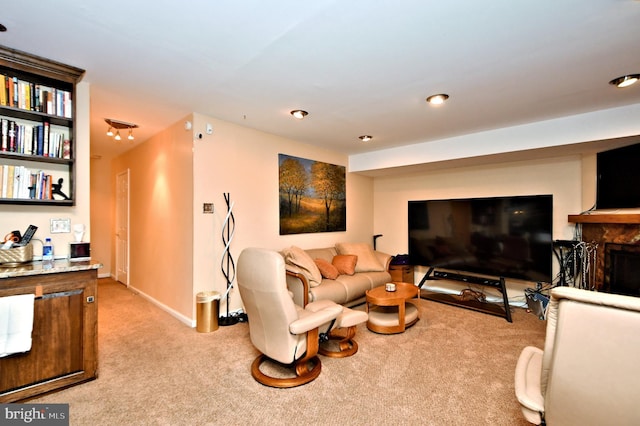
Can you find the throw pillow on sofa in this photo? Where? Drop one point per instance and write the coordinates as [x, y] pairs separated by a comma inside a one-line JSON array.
[[345, 263], [303, 263], [327, 270], [367, 259]]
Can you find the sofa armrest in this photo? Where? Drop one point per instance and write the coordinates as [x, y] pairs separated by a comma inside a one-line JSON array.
[[299, 287], [384, 258]]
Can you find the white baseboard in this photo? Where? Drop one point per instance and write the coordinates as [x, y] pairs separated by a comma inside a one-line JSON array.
[[183, 319]]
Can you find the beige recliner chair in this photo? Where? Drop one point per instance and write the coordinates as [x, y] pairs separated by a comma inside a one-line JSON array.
[[589, 372], [281, 330]]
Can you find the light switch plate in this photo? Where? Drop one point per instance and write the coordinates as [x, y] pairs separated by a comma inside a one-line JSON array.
[[60, 226]]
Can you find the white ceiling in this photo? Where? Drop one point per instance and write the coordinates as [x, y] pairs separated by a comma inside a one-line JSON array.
[[359, 67]]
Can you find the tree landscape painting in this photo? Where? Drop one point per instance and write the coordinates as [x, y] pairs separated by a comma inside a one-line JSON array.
[[312, 196]]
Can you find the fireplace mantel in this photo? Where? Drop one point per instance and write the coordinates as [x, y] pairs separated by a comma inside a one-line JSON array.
[[604, 218]]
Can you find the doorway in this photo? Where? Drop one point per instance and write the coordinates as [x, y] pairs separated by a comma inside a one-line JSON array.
[[122, 227]]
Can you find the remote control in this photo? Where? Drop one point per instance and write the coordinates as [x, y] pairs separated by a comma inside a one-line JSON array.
[[28, 234]]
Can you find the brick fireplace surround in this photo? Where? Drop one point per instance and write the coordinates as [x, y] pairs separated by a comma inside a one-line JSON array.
[[607, 228]]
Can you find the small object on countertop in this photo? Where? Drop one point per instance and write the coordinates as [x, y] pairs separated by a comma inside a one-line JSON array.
[[9, 240], [47, 250], [390, 287]]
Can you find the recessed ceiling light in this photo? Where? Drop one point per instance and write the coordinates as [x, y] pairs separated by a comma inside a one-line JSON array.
[[365, 138], [299, 114], [437, 99], [625, 80], [2, 28]]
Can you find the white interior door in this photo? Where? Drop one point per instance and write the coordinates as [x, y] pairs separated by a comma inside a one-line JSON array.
[[122, 227]]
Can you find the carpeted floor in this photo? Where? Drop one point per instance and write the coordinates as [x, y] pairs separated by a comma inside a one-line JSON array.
[[453, 367]]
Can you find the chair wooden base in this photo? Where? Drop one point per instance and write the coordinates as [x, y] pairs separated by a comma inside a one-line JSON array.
[[346, 345], [306, 371]]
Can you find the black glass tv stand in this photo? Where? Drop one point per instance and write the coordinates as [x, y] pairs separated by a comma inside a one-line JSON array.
[[485, 307]]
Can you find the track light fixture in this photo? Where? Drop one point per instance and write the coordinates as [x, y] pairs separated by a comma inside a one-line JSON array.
[[625, 80], [299, 114], [118, 125]]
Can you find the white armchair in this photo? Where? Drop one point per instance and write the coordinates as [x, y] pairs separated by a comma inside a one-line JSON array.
[[589, 371], [278, 328]]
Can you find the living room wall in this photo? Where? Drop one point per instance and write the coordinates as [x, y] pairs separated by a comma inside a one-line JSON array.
[[161, 219], [562, 177], [175, 248], [244, 163]]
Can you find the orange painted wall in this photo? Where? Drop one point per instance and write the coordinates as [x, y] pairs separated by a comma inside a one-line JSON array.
[[161, 218]]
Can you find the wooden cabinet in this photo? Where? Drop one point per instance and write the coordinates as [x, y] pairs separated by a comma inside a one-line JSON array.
[[64, 347], [37, 130], [401, 273]]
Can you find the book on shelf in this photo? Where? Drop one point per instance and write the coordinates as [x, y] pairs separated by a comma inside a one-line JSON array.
[[28, 139], [23, 95], [16, 93], [45, 140], [5, 178], [3, 91], [68, 106], [39, 139], [9, 181], [66, 149], [30, 96], [19, 182], [34, 140], [11, 136], [4, 128], [9, 91]]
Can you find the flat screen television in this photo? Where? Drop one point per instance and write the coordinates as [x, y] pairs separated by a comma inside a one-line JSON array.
[[618, 177], [508, 237]]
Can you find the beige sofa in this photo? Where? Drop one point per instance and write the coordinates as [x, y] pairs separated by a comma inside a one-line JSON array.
[[307, 283], [588, 373]]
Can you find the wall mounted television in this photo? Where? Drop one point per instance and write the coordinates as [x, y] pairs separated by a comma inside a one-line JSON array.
[[508, 237], [618, 176]]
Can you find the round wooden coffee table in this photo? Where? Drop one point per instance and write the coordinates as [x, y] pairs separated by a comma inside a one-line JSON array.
[[388, 311]]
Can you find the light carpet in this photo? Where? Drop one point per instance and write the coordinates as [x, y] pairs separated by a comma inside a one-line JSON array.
[[453, 367]]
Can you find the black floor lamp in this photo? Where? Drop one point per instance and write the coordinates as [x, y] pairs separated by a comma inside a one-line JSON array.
[[227, 264]]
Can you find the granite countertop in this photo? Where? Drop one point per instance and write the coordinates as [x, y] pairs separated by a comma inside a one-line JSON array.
[[42, 268]]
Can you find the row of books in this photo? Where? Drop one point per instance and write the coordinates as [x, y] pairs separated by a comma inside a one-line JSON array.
[[33, 140], [18, 182], [29, 96]]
